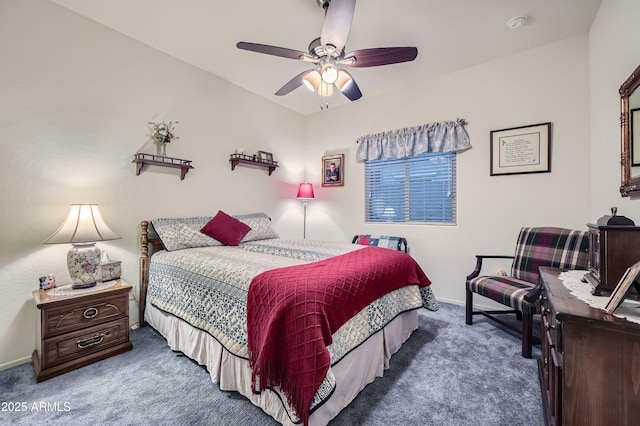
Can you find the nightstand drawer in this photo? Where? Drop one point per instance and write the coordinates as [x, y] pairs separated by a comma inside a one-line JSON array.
[[60, 349], [76, 316]]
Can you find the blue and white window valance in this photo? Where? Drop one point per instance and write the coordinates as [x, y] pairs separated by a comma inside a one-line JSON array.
[[444, 136]]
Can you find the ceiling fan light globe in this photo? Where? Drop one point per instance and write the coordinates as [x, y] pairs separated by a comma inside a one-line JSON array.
[[343, 81], [308, 85], [329, 73], [346, 85], [312, 81]]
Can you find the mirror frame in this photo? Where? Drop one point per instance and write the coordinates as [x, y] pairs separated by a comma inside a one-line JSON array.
[[629, 187]]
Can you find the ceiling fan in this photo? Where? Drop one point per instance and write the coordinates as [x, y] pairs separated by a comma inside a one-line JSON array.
[[327, 54]]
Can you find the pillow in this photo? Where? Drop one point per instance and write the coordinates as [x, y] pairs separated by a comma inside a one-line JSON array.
[[184, 232], [226, 229], [260, 224]]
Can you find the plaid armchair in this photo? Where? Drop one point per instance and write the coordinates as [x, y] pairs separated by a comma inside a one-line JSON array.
[[536, 247]]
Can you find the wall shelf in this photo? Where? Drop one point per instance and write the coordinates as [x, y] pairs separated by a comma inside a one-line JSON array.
[[158, 160], [252, 160]]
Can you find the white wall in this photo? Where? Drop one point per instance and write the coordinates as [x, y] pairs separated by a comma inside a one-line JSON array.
[[614, 53], [549, 84], [76, 99]]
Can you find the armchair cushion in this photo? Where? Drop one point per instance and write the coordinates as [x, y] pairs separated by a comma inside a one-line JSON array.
[[505, 290]]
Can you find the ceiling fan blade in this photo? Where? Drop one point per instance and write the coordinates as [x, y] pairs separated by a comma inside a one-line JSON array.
[[272, 50], [337, 23], [347, 85], [380, 56], [294, 83]]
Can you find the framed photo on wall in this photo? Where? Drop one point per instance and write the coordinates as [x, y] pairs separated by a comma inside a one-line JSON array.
[[333, 170], [520, 150]]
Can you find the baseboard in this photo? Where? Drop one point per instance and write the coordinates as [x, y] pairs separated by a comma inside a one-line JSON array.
[[451, 301], [475, 304], [15, 363]]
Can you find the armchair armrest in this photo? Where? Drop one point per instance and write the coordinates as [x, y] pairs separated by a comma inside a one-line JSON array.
[[533, 294], [479, 259]]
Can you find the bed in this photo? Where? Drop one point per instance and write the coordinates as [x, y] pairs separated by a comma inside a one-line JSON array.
[[212, 302]]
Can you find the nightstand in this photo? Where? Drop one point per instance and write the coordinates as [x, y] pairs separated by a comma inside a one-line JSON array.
[[78, 327]]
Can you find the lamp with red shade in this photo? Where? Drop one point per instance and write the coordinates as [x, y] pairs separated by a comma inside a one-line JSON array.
[[305, 193]]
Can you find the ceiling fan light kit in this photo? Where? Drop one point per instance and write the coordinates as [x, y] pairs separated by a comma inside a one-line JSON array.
[[328, 52]]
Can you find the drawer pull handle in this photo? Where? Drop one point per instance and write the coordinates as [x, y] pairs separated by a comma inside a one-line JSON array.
[[90, 313], [90, 341]]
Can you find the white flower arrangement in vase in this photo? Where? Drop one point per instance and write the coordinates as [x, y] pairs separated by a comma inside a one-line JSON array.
[[163, 133]]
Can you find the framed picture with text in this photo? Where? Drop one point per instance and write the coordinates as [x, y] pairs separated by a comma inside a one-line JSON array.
[[333, 170], [520, 150]]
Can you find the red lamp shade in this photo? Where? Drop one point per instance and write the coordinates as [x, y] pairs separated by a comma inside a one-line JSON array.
[[305, 191]]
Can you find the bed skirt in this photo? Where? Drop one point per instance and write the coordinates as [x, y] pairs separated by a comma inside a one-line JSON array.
[[357, 369]]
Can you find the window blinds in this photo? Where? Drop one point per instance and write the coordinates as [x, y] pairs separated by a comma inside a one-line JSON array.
[[421, 188]]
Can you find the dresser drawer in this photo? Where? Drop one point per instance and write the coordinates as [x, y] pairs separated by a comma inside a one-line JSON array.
[[77, 316], [67, 347], [551, 327]]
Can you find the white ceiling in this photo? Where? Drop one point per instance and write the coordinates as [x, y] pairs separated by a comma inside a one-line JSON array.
[[449, 35]]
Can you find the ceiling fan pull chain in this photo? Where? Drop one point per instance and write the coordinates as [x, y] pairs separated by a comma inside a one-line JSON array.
[[323, 105]]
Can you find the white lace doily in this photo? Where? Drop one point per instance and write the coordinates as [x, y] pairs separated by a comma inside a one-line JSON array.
[[572, 280], [67, 290]]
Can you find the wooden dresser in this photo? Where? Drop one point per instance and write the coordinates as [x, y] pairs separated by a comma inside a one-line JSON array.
[[81, 328], [589, 370]]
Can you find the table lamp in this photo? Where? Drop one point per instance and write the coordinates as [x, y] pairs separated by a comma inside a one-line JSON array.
[[305, 193], [82, 228]]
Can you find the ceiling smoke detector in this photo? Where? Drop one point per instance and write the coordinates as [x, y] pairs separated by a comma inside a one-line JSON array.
[[516, 22]]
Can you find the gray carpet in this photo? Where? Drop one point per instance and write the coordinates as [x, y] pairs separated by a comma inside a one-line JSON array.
[[448, 373]]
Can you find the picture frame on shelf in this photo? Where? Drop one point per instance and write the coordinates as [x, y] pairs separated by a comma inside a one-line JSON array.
[[520, 150], [333, 169], [265, 157], [618, 294]]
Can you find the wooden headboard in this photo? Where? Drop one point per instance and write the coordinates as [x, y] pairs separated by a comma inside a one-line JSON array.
[[156, 245]]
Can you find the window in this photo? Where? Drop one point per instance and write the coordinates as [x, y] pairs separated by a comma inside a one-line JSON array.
[[421, 188]]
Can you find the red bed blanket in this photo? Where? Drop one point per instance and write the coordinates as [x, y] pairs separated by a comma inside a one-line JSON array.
[[292, 313]]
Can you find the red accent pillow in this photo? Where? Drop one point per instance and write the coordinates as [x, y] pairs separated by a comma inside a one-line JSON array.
[[226, 229]]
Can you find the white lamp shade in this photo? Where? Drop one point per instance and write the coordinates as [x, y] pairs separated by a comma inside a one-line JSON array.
[[344, 80], [312, 80], [82, 228], [84, 224]]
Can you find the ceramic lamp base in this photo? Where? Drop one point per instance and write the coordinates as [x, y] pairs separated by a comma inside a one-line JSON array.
[[83, 261]]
